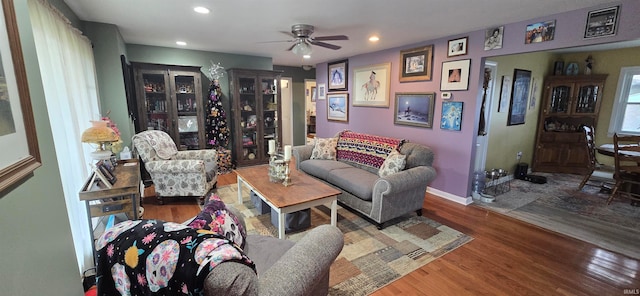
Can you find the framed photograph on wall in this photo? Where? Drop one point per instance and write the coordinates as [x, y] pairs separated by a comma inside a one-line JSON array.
[[455, 75], [338, 106], [416, 64], [415, 109], [602, 22], [451, 116], [519, 96], [505, 94], [457, 47], [493, 38], [21, 155], [540, 32], [314, 95], [371, 85], [337, 75], [322, 91]]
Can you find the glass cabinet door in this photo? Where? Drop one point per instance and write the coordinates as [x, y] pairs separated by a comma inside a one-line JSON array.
[[560, 99], [587, 99], [248, 117], [270, 113], [186, 105], [156, 114]]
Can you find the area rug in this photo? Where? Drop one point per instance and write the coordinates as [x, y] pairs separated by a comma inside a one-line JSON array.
[[371, 258], [583, 214]]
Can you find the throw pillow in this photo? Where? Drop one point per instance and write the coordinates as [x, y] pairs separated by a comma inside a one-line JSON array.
[[324, 149], [217, 218], [394, 163]]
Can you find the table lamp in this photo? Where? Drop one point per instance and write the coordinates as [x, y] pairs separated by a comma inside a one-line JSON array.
[[99, 133]]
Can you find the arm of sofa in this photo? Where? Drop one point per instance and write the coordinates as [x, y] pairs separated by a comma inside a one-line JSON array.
[[404, 190], [301, 153], [174, 166], [305, 265]]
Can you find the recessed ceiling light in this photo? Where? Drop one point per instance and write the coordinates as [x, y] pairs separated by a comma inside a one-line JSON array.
[[374, 38], [201, 9], [181, 43], [306, 56]]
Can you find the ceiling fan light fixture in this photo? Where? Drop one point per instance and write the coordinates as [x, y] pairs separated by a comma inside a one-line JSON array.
[[302, 48], [306, 56]]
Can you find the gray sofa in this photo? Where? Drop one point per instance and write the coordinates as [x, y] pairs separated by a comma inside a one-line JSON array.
[[378, 198], [283, 267]]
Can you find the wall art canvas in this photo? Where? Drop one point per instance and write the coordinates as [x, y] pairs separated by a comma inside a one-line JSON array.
[[540, 32], [322, 91], [451, 116], [505, 94], [416, 64], [414, 109], [371, 85], [338, 75], [338, 106], [455, 75], [602, 22], [493, 38], [519, 96]]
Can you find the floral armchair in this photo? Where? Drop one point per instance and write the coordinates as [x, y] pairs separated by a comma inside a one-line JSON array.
[[173, 172]]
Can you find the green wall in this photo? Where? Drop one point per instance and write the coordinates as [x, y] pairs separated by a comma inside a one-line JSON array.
[[298, 75], [36, 249], [506, 141]]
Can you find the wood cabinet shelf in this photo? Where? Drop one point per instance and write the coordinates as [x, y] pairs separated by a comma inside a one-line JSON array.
[[569, 102]]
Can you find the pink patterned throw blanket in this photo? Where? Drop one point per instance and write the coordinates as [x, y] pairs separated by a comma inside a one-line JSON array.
[[365, 149]]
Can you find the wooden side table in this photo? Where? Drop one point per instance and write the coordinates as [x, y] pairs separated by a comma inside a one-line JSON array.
[[122, 197]]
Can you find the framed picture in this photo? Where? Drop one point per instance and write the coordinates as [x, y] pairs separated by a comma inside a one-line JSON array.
[[104, 171], [416, 64], [540, 32], [457, 47], [20, 155], [451, 116], [493, 38], [414, 109], [519, 96], [313, 94], [505, 94], [602, 22], [338, 72], [338, 106], [322, 91], [455, 75], [371, 85]]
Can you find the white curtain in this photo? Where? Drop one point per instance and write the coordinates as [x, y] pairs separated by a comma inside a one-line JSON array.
[[67, 68]]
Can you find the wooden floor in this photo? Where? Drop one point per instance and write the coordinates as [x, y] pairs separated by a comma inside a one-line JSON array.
[[506, 256]]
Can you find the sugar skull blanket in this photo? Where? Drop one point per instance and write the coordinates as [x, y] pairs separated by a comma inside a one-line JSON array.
[[153, 257]]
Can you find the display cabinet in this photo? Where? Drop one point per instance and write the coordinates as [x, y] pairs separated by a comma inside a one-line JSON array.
[[255, 113], [569, 102], [169, 98]]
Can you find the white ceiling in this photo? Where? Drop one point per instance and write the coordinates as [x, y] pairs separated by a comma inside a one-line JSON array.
[[242, 26]]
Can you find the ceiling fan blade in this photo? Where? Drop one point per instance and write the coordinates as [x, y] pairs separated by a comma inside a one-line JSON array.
[[329, 38], [323, 44], [292, 46], [289, 34], [276, 41]]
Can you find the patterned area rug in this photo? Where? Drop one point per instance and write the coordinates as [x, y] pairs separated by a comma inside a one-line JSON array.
[[371, 258], [585, 215]]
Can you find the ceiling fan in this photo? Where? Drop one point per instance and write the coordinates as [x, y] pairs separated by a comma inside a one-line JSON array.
[[303, 40]]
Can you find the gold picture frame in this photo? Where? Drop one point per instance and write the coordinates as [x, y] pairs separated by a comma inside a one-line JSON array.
[[416, 64], [22, 155]]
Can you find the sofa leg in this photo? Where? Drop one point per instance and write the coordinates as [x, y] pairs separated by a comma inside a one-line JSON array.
[[380, 226], [419, 212], [160, 201], [201, 200]]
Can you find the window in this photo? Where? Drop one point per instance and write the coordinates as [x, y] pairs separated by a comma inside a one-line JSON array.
[[625, 118]]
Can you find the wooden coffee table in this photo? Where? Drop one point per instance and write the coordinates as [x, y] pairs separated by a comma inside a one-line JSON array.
[[304, 192]]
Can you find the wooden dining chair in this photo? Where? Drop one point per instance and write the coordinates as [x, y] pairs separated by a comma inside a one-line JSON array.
[[599, 174], [627, 167]]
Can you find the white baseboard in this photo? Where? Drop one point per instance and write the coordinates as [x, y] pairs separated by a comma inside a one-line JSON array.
[[458, 199]]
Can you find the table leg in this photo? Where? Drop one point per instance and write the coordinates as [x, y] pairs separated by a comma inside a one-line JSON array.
[[281, 225], [334, 212], [239, 190]]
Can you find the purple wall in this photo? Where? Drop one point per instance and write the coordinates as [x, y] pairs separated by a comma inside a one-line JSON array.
[[455, 150]]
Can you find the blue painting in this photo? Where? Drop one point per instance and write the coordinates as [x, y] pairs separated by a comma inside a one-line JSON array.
[[451, 116]]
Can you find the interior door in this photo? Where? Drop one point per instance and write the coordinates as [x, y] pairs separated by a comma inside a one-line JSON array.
[[286, 86]]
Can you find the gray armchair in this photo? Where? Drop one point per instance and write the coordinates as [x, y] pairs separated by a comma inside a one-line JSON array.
[[173, 172]]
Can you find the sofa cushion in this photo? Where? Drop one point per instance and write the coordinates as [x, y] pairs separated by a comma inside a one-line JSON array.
[[265, 251], [364, 149], [321, 168], [394, 163], [353, 180], [324, 148]]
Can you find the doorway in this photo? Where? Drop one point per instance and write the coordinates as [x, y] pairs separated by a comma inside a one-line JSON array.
[[482, 141]]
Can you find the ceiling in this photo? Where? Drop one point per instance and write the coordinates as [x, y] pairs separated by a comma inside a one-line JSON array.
[[248, 26]]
